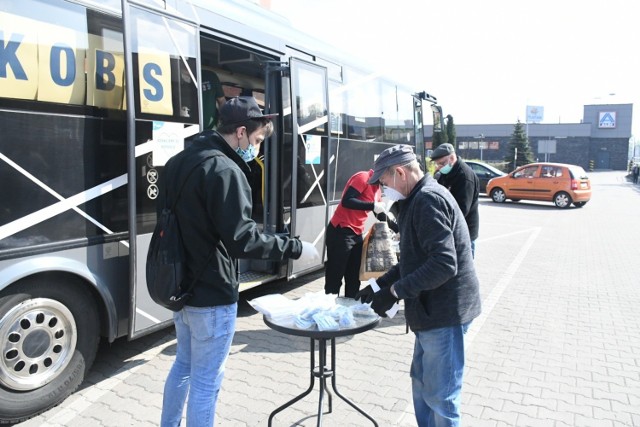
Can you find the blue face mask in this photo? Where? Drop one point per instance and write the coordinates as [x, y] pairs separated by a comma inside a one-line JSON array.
[[248, 154], [446, 169]]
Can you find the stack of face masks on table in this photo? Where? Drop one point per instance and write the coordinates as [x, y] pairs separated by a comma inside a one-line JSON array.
[[277, 307], [326, 312]]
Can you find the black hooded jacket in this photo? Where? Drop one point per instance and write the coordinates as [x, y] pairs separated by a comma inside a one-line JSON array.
[[436, 275], [214, 214], [464, 185]]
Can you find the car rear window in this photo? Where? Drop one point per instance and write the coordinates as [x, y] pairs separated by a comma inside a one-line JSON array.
[[550, 171], [578, 173]]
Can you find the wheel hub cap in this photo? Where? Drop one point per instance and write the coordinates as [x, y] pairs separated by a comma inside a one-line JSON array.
[[38, 342]]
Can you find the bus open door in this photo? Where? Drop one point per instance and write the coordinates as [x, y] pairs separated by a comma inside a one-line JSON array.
[[308, 148]]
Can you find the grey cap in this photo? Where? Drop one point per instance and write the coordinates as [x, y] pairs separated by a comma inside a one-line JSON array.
[[240, 109], [397, 155], [442, 150]]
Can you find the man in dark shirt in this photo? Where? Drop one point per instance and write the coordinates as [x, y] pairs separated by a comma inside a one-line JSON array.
[[463, 183], [214, 213]]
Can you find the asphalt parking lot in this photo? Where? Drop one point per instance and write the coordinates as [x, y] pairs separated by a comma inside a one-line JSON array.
[[557, 344]]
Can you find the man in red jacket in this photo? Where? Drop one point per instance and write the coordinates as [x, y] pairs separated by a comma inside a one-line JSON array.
[[344, 233]]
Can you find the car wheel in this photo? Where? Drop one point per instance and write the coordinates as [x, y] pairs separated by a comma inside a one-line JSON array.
[[562, 200], [579, 204], [498, 196], [49, 335]]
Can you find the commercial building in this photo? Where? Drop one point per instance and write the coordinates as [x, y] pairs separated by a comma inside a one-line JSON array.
[[600, 141]]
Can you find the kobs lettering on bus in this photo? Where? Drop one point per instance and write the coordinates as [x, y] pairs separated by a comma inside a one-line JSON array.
[[48, 63], [9, 58], [151, 70], [105, 64], [57, 53]]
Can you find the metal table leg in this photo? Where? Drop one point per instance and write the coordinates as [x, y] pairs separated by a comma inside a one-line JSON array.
[[333, 384], [322, 373], [303, 394]]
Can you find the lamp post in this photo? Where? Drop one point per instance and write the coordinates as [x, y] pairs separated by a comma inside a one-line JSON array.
[[481, 138], [547, 148]]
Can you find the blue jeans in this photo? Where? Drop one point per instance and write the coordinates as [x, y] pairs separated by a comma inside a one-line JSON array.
[[436, 376], [204, 336]]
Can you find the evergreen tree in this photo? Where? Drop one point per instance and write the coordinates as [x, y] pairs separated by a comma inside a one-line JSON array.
[[520, 141], [439, 138], [451, 131]]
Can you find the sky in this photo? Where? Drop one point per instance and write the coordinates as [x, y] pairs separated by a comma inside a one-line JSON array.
[[487, 60]]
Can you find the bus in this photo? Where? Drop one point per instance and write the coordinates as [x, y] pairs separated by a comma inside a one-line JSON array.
[[95, 97]]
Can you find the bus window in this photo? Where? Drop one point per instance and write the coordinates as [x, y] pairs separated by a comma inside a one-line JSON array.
[[63, 131], [364, 118], [311, 110], [397, 108], [337, 101], [164, 53], [403, 123]]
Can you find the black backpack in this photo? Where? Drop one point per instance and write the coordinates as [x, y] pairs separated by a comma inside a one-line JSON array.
[[166, 265]]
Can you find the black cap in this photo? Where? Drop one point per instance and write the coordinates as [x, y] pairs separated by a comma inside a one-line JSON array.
[[240, 109], [397, 155], [442, 150]]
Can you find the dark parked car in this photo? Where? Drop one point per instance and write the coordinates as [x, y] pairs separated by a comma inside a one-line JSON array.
[[484, 172]]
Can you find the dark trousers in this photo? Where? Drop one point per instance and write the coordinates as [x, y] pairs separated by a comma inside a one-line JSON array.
[[344, 251]]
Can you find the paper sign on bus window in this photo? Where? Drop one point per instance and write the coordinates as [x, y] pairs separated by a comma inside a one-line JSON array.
[[154, 74], [168, 141], [19, 55], [61, 65], [312, 149], [105, 71]]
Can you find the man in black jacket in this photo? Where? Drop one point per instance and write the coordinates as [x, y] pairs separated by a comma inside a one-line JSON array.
[[435, 277], [214, 214], [463, 183]]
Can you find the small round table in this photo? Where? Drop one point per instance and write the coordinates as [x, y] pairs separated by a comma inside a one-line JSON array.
[[323, 372]]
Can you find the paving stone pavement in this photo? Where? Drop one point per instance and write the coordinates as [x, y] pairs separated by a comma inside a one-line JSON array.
[[558, 343]]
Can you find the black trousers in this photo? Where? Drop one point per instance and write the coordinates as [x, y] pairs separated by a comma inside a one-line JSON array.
[[344, 251]]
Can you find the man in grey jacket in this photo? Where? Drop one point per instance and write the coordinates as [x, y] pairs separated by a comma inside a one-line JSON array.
[[435, 277]]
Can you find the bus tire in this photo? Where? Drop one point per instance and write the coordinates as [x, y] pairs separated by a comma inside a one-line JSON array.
[[62, 363]]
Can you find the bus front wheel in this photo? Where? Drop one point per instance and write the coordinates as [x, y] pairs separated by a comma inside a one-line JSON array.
[[49, 336]]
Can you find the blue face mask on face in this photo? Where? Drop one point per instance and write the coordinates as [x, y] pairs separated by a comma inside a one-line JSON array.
[[248, 154], [445, 169]]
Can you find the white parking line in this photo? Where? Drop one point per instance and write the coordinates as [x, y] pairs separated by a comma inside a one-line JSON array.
[[492, 299], [408, 417]]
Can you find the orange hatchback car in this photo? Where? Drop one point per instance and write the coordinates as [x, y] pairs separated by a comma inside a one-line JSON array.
[[559, 183]]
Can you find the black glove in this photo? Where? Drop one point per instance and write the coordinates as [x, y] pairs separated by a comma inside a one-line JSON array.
[[365, 295], [382, 301], [381, 217]]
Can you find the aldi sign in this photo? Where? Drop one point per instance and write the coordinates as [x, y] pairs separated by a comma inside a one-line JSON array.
[[607, 120]]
